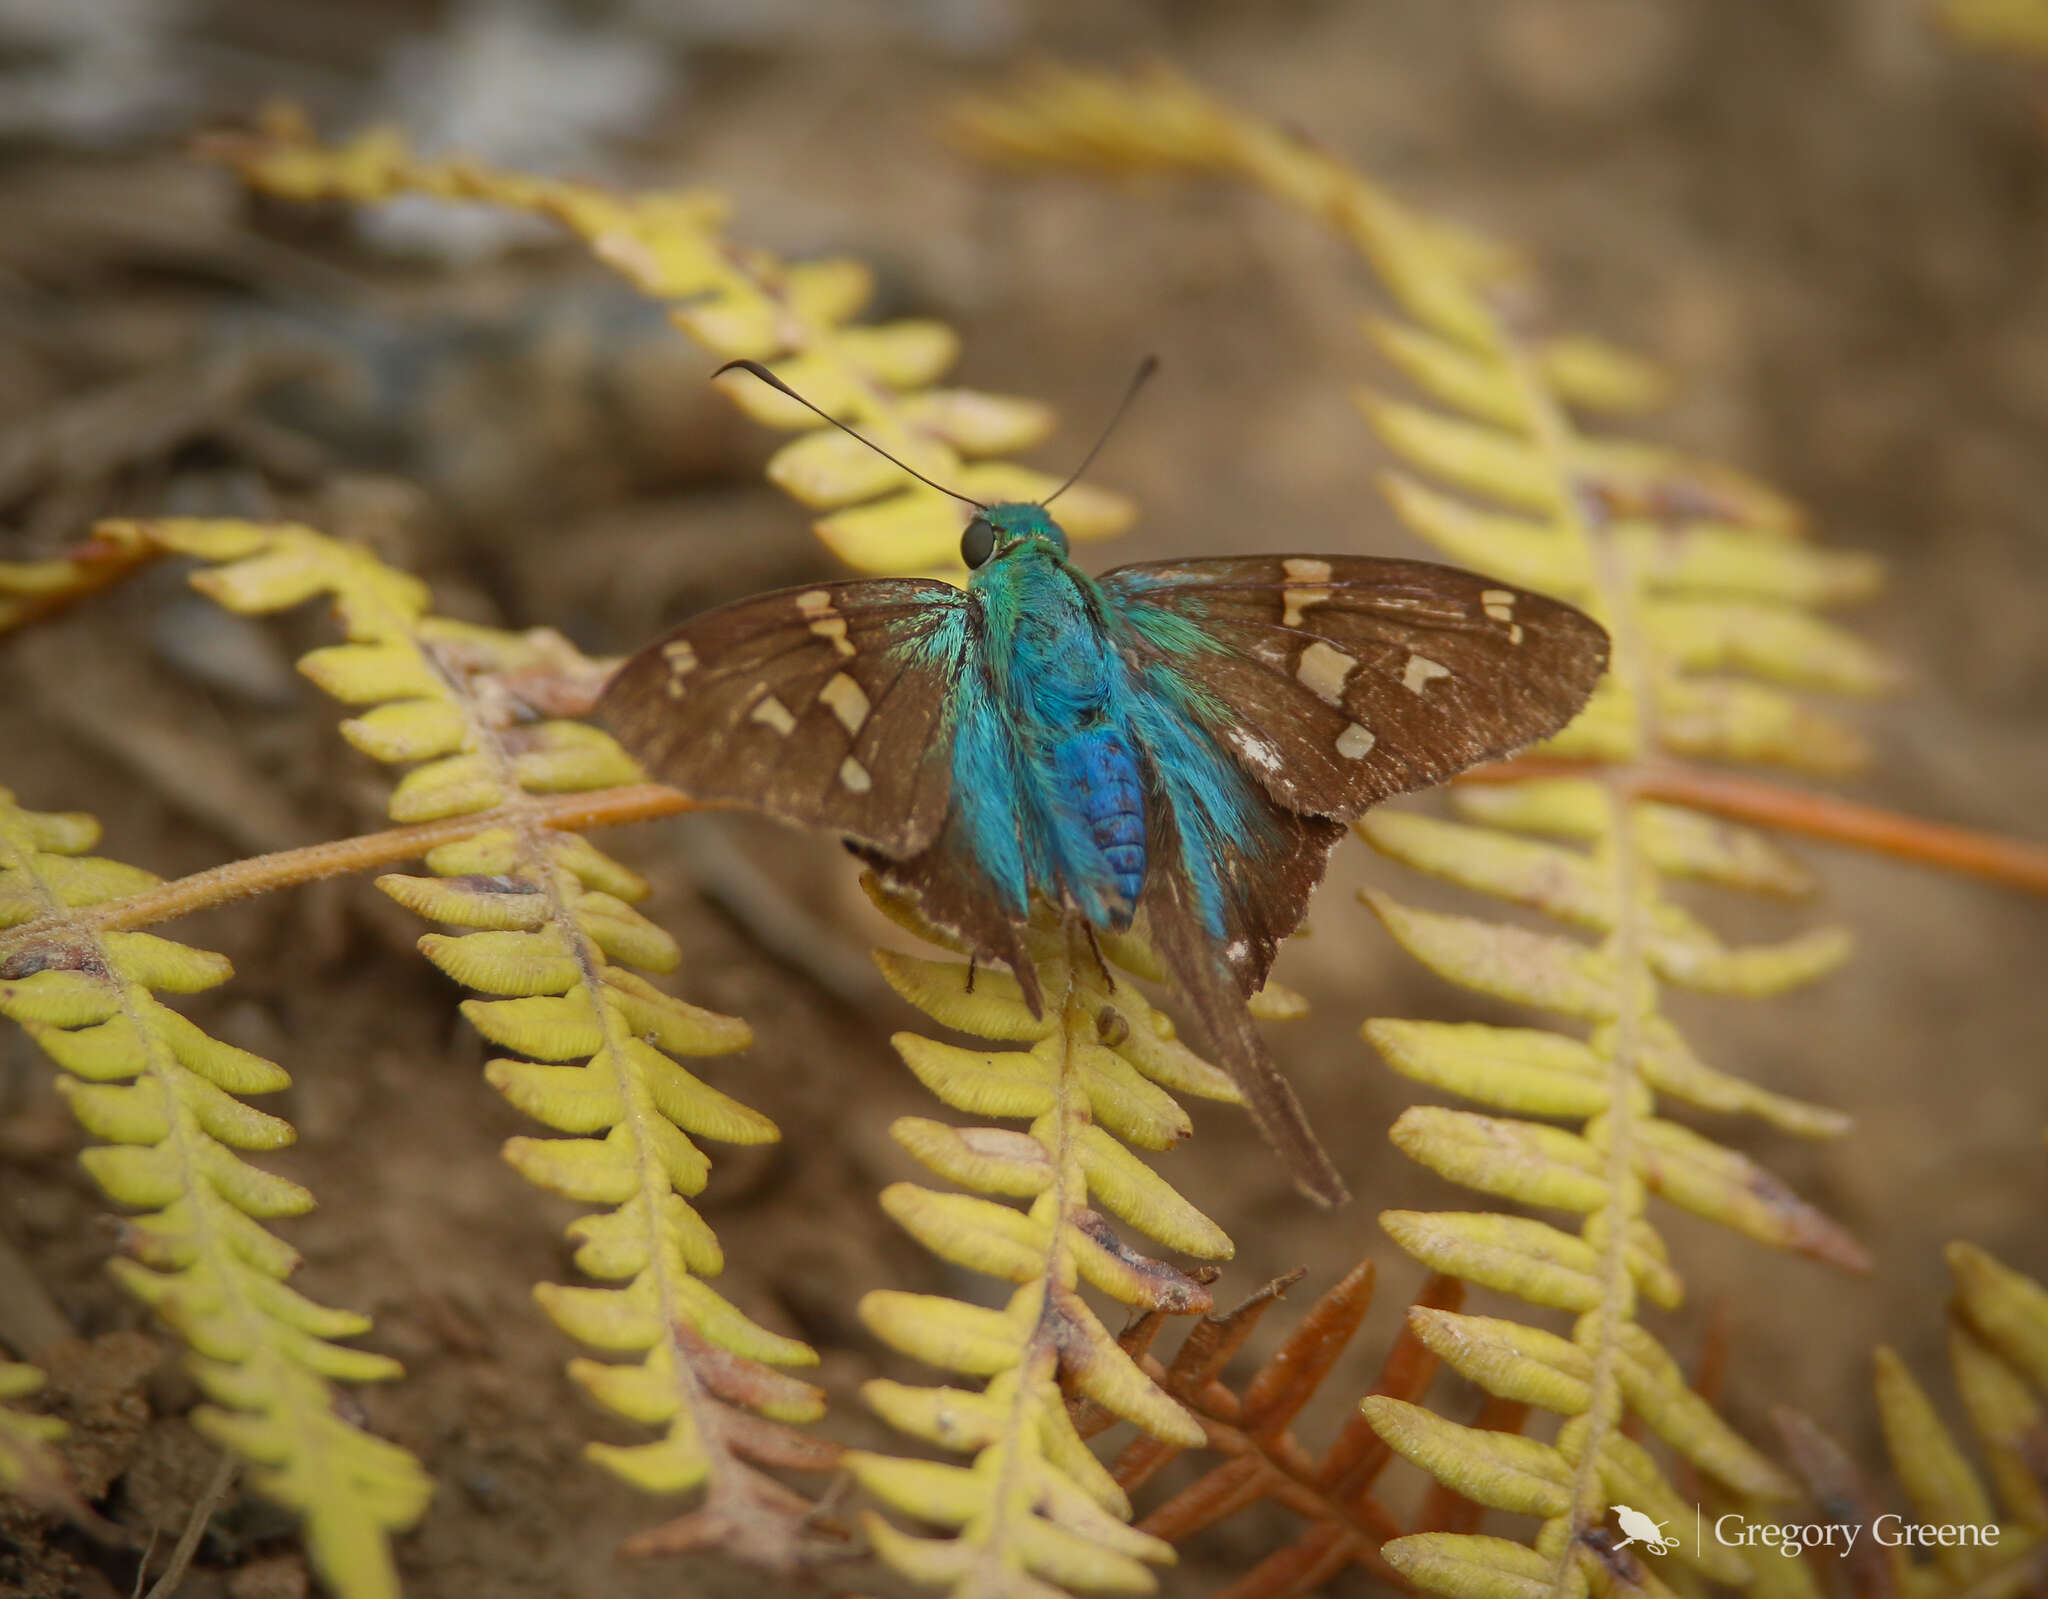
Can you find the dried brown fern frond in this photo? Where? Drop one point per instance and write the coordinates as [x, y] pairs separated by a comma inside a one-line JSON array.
[[1251, 1427], [1700, 576]]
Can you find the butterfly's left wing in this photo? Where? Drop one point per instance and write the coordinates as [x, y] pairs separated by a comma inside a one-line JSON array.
[[832, 706], [1341, 681], [824, 706]]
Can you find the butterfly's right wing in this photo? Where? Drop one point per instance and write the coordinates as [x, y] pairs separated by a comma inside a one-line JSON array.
[[825, 706], [1340, 681]]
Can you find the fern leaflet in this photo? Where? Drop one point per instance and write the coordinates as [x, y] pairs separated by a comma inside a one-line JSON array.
[[28, 1468]]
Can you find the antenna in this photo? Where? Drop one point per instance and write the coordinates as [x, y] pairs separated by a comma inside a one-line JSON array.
[[1139, 379], [775, 382]]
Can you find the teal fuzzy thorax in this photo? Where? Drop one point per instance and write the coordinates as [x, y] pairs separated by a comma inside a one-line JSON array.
[[1176, 743]]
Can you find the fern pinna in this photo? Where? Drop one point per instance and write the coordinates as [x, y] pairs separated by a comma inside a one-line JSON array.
[[549, 935], [1095, 1072], [743, 303], [160, 1096], [1699, 576]]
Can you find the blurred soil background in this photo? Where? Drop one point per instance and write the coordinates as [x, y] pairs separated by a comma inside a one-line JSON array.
[[1827, 220]]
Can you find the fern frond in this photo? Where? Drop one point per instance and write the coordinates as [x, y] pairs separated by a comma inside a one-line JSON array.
[[1998, 1358], [1699, 574], [1095, 1074], [2020, 26], [741, 302], [548, 933], [160, 1095], [31, 590], [28, 1468]]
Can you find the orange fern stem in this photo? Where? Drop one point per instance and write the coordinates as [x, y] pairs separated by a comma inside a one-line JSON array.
[[2013, 862], [341, 857]]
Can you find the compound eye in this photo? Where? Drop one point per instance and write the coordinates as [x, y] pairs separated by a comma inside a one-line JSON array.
[[978, 543]]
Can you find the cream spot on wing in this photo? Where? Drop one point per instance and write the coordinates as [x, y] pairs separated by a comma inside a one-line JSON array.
[[1237, 951], [1421, 672], [681, 656], [1492, 597], [773, 713], [1355, 742], [1515, 633], [1255, 749], [1323, 670], [844, 699], [815, 602], [834, 628], [1297, 601], [855, 776], [1307, 571]]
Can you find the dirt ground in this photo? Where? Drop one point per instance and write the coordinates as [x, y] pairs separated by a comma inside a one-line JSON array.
[[1827, 220]]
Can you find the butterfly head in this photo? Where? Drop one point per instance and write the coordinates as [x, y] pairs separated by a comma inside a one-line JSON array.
[[1000, 530]]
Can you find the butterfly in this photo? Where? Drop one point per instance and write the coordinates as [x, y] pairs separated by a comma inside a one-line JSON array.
[[1176, 745]]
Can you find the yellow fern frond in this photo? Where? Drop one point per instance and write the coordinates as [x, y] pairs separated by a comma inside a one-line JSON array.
[[549, 933], [2020, 26], [1701, 576], [28, 1469], [1991, 1536], [31, 590], [743, 303], [161, 1097], [1095, 1074]]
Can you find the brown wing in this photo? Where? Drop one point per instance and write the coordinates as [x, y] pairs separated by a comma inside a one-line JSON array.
[[824, 706], [1341, 681]]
